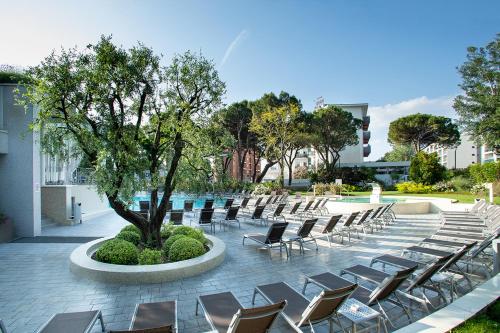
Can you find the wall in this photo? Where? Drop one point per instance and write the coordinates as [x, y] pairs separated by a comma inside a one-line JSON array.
[[56, 202], [20, 166]]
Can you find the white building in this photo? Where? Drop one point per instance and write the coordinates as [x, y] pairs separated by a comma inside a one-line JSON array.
[[466, 153], [488, 155]]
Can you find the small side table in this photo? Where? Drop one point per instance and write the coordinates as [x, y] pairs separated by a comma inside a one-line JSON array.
[[362, 314]]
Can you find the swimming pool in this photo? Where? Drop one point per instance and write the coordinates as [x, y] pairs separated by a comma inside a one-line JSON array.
[[178, 200], [367, 200]]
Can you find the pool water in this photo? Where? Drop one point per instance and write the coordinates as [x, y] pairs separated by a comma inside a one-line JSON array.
[[367, 200], [178, 200]]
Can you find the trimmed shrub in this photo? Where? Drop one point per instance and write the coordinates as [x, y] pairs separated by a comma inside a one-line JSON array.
[[117, 251], [131, 228], [167, 230], [168, 243], [412, 187], [191, 233], [185, 248], [129, 236], [150, 257]]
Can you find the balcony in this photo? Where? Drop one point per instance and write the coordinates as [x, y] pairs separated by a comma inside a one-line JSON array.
[[4, 142], [366, 122], [366, 137], [367, 150]]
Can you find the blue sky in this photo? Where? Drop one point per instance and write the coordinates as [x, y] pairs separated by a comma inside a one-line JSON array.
[[398, 56]]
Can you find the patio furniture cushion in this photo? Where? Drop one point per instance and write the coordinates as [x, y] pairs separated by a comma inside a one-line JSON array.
[[220, 308], [296, 303], [149, 315], [74, 322]]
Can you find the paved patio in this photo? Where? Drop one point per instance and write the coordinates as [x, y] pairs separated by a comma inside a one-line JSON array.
[[35, 281]]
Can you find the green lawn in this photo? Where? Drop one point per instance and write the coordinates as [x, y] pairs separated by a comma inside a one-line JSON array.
[[463, 197]]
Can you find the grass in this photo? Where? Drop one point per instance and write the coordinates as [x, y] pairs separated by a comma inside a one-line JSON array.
[[463, 197], [483, 323]]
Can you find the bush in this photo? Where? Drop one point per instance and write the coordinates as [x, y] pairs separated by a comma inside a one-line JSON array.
[[185, 248], [485, 173], [150, 257], [412, 187], [166, 230], [461, 183], [426, 169], [129, 236], [190, 232], [168, 244], [260, 189], [131, 228], [443, 186], [478, 189], [117, 251]]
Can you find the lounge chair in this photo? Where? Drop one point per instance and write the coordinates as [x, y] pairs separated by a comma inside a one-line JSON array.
[[329, 229], [258, 213], [306, 210], [300, 312], [176, 216], [209, 203], [323, 210], [72, 322], [144, 206], [244, 202], [206, 218], [361, 223], [304, 235], [258, 201], [273, 238], [269, 199], [346, 226], [231, 217], [159, 317], [315, 207], [225, 313], [188, 206], [277, 213], [295, 207]]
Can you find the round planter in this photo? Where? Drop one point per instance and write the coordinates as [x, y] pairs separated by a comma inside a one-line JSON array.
[[82, 264]]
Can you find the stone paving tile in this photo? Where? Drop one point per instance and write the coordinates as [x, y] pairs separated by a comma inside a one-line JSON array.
[[35, 281]]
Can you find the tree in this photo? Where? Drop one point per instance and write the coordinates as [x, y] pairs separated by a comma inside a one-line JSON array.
[[332, 130], [426, 169], [275, 123], [299, 141], [236, 119], [137, 123], [399, 153], [421, 130], [479, 105]]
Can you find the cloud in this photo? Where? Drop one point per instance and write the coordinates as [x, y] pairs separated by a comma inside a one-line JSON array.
[[234, 44], [381, 117]]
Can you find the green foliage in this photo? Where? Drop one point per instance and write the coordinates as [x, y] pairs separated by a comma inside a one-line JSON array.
[[150, 257], [190, 232], [488, 172], [494, 311], [167, 230], [461, 183], [443, 186], [332, 130], [129, 236], [131, 228], [421, 130], [169, 242], [348, 175], [117, 251], [478, 189], [479, 106], [10, 74], [479, 324], [412, 187], [426, 169], [399, 152], [185, 248]]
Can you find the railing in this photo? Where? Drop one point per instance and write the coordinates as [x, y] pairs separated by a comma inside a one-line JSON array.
[[82, 176]]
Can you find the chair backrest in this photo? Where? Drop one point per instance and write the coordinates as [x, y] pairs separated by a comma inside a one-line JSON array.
[[457, 255], [206, 215], [232, 212], [331, 224], [381, 212], [257, 202], [276, 199], [325, 305], [188, 205], [428, 271], [228, 203], [389, 285], [484, 244], [244, 202], [376, 211], [279, 209], [316, 205], [161, 329], [257, 213], [209, 203], [295, 207], [170, 204], [306, 228], [324, 202], [364, 216], [269, 198], [176, 216], [308, 205], [275, 232], [144, 206], [350, 219], [256, 320]]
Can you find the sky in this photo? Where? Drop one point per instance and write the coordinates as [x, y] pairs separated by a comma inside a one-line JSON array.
[[400, 57]]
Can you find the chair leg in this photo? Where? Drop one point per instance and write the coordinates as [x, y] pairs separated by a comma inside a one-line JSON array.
[[102, 322], [306, 282], [196, 310], [253, 297]]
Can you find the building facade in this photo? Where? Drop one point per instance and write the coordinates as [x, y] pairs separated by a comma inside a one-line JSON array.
[[460, 157], [249, 167]]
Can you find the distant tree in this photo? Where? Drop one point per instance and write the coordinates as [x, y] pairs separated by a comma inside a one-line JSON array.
[[399, 153], [299, 141], [275, 121], [479, 105], [140, 125], [421, 130], [332, 130], [426, 169]]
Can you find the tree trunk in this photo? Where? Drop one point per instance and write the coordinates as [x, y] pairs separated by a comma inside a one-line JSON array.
[[241, 163], [290, 177], [264, 171]]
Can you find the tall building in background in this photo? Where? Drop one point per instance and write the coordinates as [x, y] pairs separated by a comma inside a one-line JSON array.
[[488, 155], [248, 167], [460, 157]]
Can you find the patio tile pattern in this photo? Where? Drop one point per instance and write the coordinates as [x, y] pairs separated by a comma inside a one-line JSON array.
[[35, 281]]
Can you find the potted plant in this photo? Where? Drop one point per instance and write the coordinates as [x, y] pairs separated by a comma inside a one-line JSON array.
[[6, 229]]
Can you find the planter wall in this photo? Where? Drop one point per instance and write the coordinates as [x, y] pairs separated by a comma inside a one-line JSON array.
[[6, 231], [83, 265]]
